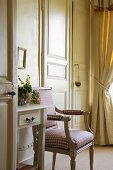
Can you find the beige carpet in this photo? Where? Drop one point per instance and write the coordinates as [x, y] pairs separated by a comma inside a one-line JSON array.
[[103, 160]]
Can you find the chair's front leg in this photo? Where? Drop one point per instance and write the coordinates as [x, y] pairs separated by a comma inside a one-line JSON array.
[[73, 163], [54, 159], [91, 153]]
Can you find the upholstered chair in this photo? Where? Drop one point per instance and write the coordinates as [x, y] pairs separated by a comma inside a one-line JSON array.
[[64, 141]]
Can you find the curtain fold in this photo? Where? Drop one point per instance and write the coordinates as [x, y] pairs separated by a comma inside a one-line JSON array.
[[102, 109], [102, 4]]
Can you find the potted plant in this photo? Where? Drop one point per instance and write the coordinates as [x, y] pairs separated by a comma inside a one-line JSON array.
[[35, 97]]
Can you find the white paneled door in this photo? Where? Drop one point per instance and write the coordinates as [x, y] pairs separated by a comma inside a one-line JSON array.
[[56, 50], [7, 86]]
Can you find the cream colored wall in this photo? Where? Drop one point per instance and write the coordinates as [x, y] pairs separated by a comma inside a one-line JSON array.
[[81, 56], [27, 37]]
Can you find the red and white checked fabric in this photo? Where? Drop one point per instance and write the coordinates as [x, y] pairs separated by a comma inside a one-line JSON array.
[[56, 138], [45, 96]]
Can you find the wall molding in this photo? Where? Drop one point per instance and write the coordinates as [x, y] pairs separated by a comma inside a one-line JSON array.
[[59, 73]]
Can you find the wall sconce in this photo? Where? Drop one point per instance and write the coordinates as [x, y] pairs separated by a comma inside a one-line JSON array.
[[77, 82]]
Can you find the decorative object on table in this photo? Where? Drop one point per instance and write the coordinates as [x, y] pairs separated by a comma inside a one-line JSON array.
[[35, 97], [24, 91]]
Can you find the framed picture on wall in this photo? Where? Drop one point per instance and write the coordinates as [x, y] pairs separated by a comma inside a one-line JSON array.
[[21, 58]]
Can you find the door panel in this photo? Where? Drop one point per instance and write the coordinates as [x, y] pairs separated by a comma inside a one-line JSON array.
[[7, 85], [57, 28], [56, 50], [3, 133], [56, 71]]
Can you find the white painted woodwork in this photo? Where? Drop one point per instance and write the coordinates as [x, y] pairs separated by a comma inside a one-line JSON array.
[[81, 46], [56, 71], [56, 50], [57, 27], [3, 133], [8, 75], [38, 112], [22, 118]]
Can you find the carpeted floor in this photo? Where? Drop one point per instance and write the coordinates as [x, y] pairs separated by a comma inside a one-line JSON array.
[[103, 160]]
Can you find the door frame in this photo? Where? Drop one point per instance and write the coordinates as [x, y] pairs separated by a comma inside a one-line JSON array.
[[12, 77]]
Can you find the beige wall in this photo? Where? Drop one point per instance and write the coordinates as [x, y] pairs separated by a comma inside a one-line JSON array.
[[27, 37], [81, 56]]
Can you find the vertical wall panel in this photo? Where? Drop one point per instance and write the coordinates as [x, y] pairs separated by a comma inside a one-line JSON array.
[[81, 53], [3, 133], [3, 37]]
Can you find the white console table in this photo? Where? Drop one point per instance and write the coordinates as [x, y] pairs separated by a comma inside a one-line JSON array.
[[31, 115]]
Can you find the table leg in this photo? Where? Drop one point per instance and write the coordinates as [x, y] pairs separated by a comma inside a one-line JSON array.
[[39, 142]]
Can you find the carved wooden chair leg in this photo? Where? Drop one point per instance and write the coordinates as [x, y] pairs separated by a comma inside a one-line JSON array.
[[91, 153], [54, 159], [73, 163]]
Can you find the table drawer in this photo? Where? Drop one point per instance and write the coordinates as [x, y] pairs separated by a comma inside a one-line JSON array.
[[30, 118]]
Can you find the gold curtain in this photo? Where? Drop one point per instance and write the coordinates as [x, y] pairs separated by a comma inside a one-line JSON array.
[[102, 4], [102, 109]]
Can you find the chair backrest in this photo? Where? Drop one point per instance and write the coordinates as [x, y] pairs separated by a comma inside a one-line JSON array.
[[46, 98]]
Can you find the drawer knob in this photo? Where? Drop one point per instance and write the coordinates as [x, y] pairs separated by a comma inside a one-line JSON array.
[[32, 119], [28, 120]]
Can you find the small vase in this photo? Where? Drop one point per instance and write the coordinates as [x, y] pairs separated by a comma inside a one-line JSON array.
[[21, 101], [24, 99], [27, 98]]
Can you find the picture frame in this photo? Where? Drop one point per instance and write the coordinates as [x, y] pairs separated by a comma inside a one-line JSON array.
[[21, 58]]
